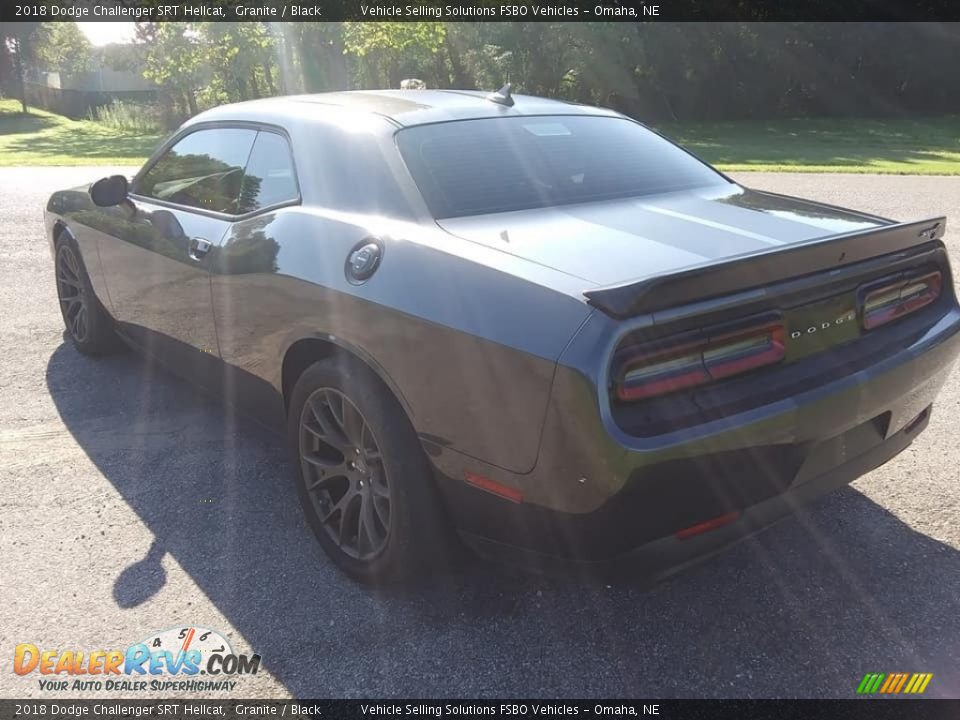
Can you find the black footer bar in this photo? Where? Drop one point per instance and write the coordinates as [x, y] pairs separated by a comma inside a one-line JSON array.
[[866, 708]]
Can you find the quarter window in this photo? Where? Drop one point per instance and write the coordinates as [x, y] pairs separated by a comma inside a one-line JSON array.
[[269, 179], [203, 170]]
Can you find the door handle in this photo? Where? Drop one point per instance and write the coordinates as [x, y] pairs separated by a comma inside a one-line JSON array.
[[198, 248]]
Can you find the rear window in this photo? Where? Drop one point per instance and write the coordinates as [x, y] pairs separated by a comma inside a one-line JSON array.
[[470, 167]]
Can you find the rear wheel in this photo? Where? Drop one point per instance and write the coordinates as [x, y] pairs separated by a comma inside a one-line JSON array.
[[88, 324], [364, 482]]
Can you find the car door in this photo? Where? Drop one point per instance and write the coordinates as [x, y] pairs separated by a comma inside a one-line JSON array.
[[249, 302], [156, 270]]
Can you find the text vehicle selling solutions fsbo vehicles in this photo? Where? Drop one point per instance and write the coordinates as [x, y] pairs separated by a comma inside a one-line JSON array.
[[536, 326]]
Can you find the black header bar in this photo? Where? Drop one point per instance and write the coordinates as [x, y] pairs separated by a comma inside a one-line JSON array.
[[630, 11]]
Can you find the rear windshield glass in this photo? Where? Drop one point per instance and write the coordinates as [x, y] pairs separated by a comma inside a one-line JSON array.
[[469, 167]]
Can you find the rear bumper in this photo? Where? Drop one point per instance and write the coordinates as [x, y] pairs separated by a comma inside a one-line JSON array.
[[598, 497], [665, 556]]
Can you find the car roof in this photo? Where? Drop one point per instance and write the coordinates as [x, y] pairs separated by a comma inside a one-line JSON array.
[[402, 108]]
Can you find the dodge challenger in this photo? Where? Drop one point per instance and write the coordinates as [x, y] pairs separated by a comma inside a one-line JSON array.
[[536, 327]]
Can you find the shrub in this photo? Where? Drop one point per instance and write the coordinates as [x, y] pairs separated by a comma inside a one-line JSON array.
[[132, 117]]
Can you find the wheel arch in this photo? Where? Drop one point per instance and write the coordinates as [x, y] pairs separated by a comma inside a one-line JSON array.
[[59, 228], [305, 351], [90, 260]]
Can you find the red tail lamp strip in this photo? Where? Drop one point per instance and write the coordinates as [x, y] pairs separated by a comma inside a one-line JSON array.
[[697, 363], [887, 303]]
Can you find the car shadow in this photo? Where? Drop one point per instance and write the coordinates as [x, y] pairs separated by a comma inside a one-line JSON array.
[[805, 609]]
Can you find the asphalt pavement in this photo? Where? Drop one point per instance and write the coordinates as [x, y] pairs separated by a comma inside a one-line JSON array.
[[130, 504]]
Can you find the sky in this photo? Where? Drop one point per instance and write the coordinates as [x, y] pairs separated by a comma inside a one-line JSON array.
[[103, 33]]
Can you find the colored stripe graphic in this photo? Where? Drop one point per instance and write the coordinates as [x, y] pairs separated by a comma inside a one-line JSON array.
[[894, 683], [920, 684], [870, 683]]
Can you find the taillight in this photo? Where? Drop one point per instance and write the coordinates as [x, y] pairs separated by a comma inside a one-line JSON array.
[[887, 303], [688, 364], [738, 352]]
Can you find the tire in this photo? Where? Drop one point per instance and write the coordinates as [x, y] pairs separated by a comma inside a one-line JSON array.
[[364, 482], [87, 323]]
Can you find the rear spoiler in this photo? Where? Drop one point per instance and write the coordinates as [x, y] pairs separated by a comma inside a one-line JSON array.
[[743, 272]]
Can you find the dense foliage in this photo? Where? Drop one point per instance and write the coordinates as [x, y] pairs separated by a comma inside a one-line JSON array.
[[656, 71]]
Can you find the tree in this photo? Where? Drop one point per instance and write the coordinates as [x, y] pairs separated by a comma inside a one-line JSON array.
[[174, 58], [314, 59], [118, 56], [62, 47], [16, 51], [652, 71], [241, 56], [392, 50]]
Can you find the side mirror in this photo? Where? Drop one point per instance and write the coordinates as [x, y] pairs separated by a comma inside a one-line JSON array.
[[109, 191]]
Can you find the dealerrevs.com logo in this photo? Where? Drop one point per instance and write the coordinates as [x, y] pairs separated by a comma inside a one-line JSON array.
[[187, 659]]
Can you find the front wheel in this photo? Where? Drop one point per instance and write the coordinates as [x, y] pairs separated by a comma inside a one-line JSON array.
[[364, 482], [88, 325]]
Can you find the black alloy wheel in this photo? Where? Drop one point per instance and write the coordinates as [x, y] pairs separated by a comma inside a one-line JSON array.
[[89, 326], [367, 490], [74, 301], [344, 474]]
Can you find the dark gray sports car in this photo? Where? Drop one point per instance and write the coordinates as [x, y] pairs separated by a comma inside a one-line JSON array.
[[536, 325]]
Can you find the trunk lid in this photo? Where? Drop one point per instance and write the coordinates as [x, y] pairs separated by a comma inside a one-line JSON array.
[[611, 242]]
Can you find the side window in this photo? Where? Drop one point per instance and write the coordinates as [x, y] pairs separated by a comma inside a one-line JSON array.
[[203, 170], [269, 178]]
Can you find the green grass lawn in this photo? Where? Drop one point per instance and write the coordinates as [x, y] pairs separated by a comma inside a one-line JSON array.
[[926, 146], [922, 146], [42, 138]]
